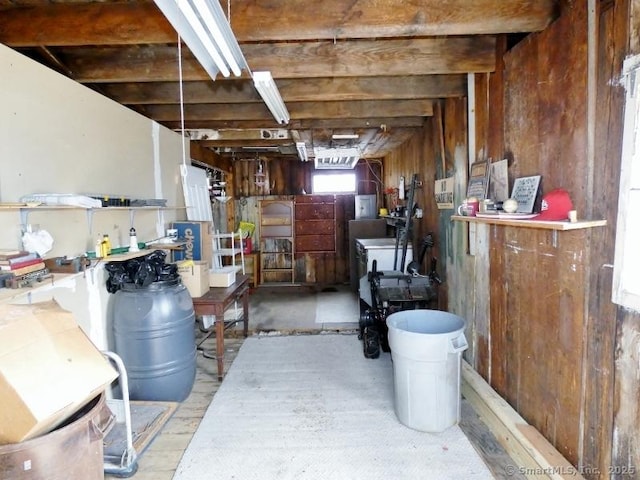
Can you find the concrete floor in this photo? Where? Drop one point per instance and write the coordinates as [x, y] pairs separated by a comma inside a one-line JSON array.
[[291, 309], [274, 311]]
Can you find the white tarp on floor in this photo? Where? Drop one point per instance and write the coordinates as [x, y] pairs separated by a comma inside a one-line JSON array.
[[312, 407]]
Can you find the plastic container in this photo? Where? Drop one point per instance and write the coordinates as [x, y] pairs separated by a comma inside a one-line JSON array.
[[426, 346], [154, 334]]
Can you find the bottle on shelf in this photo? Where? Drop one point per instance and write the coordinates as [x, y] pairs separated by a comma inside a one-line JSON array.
[[106, 242], [133, 241], [98, 247]]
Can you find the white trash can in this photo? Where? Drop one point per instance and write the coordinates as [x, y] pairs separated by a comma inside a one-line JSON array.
[[426, 346]]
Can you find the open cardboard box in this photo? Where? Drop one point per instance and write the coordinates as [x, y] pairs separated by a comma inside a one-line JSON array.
[[49, 369]]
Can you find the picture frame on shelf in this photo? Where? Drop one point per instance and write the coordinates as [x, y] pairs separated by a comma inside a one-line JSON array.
[[499, 181], [525, 191], [478, 180]]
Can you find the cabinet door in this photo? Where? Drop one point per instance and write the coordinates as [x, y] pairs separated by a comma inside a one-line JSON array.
[[276, 241]]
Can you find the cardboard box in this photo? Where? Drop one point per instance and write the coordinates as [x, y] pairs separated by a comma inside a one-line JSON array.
[[49, 369], [222, 277], [198, 236], [195, 276]]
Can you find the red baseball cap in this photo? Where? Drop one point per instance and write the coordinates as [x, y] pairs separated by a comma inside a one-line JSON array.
[[555, 205]]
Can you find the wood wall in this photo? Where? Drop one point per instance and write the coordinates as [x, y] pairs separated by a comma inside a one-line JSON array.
[[549, 340], [286, 179], [540, 323]]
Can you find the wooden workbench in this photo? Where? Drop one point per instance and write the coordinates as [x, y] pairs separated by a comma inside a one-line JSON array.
[[215, 302]]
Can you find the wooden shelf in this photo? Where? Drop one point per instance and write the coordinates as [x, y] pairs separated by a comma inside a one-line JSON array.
[[11, 295], [277, 241], [24, 206], [524, 223]]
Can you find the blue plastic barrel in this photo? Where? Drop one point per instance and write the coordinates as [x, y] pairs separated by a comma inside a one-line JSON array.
[[154, 334]]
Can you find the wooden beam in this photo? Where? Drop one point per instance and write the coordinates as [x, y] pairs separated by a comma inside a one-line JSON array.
[[291, 90], [298, 110], [387, 122], [533, 455], [208, 156], [143, 23], [245, 142], [366, 58], [75, 24], [295, 19], [353, 58]]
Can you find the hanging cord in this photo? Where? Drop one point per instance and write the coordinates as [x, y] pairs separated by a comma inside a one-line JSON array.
[[184, 146]]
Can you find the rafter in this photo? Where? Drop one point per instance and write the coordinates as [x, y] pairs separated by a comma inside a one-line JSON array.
[[301, 125], [292, 90], [367, 58], [132, 23], [298, 110]]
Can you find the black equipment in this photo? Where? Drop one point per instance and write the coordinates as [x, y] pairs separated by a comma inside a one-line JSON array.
[[393, 291]]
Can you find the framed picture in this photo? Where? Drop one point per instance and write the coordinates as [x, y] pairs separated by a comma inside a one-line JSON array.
[[499, 181], [478, 180], [525, 191]]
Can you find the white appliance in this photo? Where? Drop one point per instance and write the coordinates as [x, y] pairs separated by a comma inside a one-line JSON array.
[[384, 251]]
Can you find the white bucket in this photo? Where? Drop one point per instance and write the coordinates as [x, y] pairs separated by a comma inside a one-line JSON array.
[[426, 346]]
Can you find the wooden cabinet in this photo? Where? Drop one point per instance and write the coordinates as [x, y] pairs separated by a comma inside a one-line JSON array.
[[276, 241], [315, 223]]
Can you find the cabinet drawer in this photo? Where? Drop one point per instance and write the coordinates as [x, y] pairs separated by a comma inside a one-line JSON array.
[[316, 227], [315, 243], [313, 211]]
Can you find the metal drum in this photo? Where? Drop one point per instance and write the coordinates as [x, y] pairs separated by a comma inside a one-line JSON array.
[[154, 334], [73, 451]]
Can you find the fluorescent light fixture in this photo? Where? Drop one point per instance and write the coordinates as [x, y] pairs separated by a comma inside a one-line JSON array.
[[268, 90], [336, 158], [345, 136], [259, 149], [302, 151], [205, 29]]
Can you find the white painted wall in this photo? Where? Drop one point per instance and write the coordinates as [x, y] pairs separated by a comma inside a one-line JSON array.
[[57, 136]]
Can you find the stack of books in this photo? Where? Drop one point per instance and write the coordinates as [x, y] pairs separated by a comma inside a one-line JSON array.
[[19, 263]]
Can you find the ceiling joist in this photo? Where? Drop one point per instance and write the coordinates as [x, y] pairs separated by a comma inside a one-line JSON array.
[[369, 66], [131, 23]]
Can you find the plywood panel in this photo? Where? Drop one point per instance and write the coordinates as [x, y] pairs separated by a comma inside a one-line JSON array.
[[545, 126], [614, 387]]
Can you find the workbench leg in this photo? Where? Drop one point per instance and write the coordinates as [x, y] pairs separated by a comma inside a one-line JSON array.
[[245, 312], [220, 345]]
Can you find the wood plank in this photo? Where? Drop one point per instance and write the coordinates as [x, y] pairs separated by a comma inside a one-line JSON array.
[[371, 18], [354, 58], [538, 224], [387, 122], [484, 441], [85, 24], [422, 56], [131, 23], [291, 90], [611, 361], [297, 110], [531, 451]]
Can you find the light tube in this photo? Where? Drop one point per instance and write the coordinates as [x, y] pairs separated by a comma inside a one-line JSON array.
[[206, 31], [302, 151], [266, 87]]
